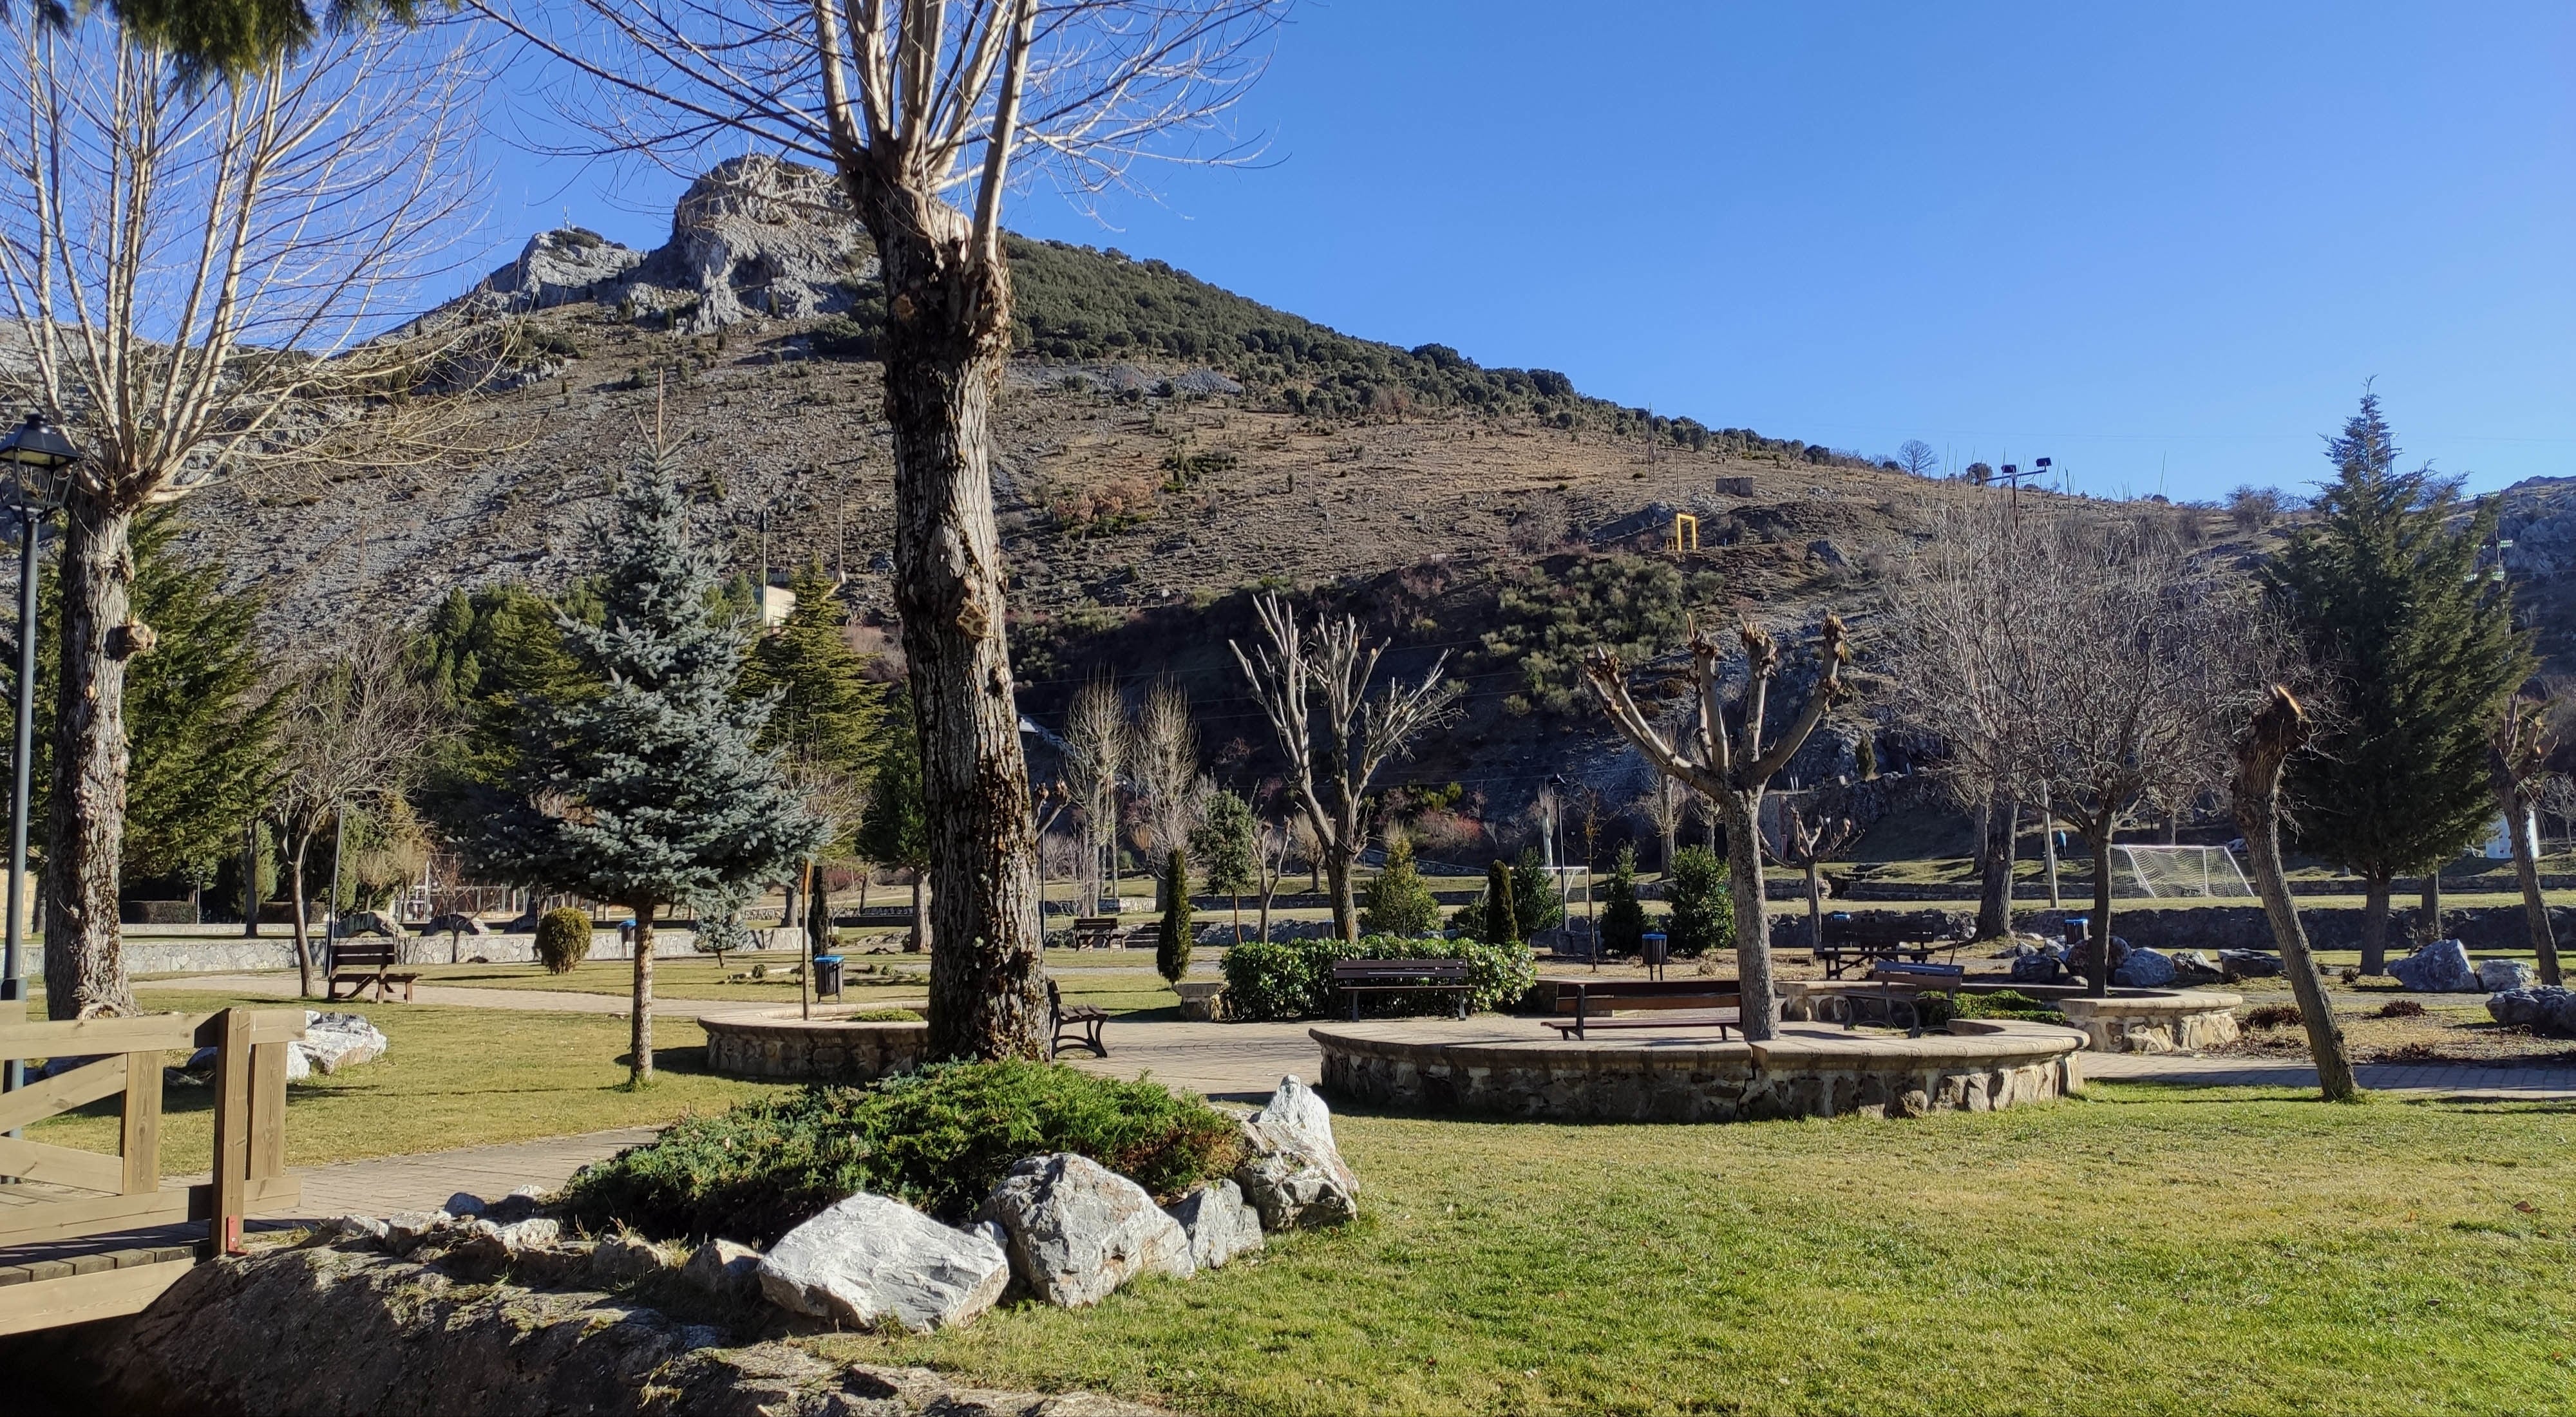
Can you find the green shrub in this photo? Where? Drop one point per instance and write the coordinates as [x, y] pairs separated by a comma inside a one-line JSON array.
[[1703, 917], [1399, 902], [1295, 979], [885, 1016], [563, 939], [1536, 902], [841, 337], [1938, 1009], [1623, 918], [938, 1139], [1498, 921]]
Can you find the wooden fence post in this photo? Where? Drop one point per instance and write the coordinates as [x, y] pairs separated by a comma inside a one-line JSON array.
[[139, 1139], [234, 1072]]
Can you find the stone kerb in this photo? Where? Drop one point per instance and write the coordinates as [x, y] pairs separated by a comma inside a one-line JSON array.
[[1805, 1072], [2186, 1021], [829, 1047]]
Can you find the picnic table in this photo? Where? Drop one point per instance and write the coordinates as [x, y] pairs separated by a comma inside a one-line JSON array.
[[1369, 976], [1868, 939]]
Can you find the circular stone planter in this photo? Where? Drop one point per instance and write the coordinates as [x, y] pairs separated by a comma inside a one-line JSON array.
[[829, 1047], [2184, 1021], [1495, 1067]]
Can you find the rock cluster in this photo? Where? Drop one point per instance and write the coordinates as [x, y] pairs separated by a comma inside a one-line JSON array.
[[2144, 969], [2496, 975], [2546, 1009]]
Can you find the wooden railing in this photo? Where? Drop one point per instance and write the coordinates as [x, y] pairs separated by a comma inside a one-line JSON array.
[[74, 1193]]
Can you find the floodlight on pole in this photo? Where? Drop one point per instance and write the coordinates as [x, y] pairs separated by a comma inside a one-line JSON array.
[[36, 453]]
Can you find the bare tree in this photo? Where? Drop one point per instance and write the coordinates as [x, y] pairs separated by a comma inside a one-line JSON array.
[[1095, 759], [1809, 837], [1271, 859], [1734, 767], [2088, 663], [1166, 751], [2556, 795], [912, 103], [2278, 729], [354, 737], [193, 265], [1313, 687], [2520, 748], [1665, 804], [1918, 457]]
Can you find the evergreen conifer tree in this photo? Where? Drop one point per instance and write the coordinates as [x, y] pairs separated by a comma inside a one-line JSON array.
[[654, 791], [1536, 902], [1174, 936], [1399, 902], [2389, 597], [1623, 916], [1501, 925], [895, 831], [830, 715], [1227, 844], [1703, 914]]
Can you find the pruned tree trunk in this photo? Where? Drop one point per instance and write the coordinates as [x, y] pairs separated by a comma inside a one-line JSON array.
[[1743, 812], [2526, 871], [2428, 925], [919, 939], [1337, 880], [2374, 922], [84, 835], [1995, 884], [1815, 908], [639, 1035], [2278, 730], [250, 879]]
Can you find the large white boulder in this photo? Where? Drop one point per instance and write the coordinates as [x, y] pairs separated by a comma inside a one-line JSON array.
[[1219, 1222], [333, 1041], [2498, 975], [2545, 1009], [1077, 1230], [870, 1262], [1291, 1171], [2438, 967]]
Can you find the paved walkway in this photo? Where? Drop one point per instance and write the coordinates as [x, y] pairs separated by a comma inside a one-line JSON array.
[[2463, 1080]]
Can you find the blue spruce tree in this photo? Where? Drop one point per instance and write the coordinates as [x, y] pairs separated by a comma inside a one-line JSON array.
[[654, 791]]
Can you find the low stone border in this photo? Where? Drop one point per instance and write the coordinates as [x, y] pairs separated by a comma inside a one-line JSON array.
[[1492, 1066], [829, 1047], [2181, 1022]]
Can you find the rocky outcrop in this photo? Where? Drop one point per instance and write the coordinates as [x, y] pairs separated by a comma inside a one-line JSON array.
[[1077, 1231], [869, 1261], [1292, 1173], [2547, 1009], [335, 1332]]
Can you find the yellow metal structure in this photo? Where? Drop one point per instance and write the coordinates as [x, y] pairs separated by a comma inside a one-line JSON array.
[[1685, 533]]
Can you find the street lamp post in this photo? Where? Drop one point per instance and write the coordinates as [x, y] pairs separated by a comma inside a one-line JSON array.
[[36, 453]]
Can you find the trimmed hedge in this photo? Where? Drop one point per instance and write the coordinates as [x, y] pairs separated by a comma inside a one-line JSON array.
[[563, 938], [940, 1139], [1294, 979]]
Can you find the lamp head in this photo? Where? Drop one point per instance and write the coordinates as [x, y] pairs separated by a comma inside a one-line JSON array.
[[35, 453]]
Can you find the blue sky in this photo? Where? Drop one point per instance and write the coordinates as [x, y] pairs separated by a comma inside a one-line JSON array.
[[2164, 245]]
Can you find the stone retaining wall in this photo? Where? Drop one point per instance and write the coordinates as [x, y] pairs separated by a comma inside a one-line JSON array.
[[2182, 1022], [149, 954], [2242, 927], [1802, 1073], [830, 1047]]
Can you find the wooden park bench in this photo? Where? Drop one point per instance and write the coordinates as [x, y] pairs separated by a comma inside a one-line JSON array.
[[1095, 932], [365, 962], [1081, 1024], [1677, 1003], [1897, 985], [1865, 939], [1387, 976]]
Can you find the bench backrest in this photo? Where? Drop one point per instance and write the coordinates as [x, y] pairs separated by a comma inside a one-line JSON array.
[[363, 954], [1445, 971], [1701, 999], [1931, 975], [1095, 922]]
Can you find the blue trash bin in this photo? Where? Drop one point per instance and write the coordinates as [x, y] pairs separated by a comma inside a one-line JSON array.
[[827, 976]]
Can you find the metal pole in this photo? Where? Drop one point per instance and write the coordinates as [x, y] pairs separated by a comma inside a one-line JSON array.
[[13, 973]]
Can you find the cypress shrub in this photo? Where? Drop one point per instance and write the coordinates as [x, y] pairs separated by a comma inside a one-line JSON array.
[[563, 939], [1501, 925], [1623, 917], [1703, 916], [1173, 937]]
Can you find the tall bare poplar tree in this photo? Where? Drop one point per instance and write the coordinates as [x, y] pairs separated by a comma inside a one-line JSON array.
[[1313, 687], [194, 263], [1095, 759], [1732, 766], [915, 105]]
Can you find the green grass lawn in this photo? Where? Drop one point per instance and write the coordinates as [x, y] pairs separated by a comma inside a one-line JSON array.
[[450, 1077], [2143, 1250]]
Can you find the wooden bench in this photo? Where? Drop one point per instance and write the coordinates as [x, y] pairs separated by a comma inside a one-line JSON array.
[[1897, 985], [1081, 1024], [1682, 1003], [1386, 976], [365, 962], [1865, 939]]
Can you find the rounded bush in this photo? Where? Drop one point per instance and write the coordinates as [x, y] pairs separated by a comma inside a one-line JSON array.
[[563, 939]]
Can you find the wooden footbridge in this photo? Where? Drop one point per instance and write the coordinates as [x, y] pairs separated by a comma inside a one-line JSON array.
[[87, 1235]]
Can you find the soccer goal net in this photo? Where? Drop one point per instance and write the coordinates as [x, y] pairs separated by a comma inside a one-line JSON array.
[[2177, 871]]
